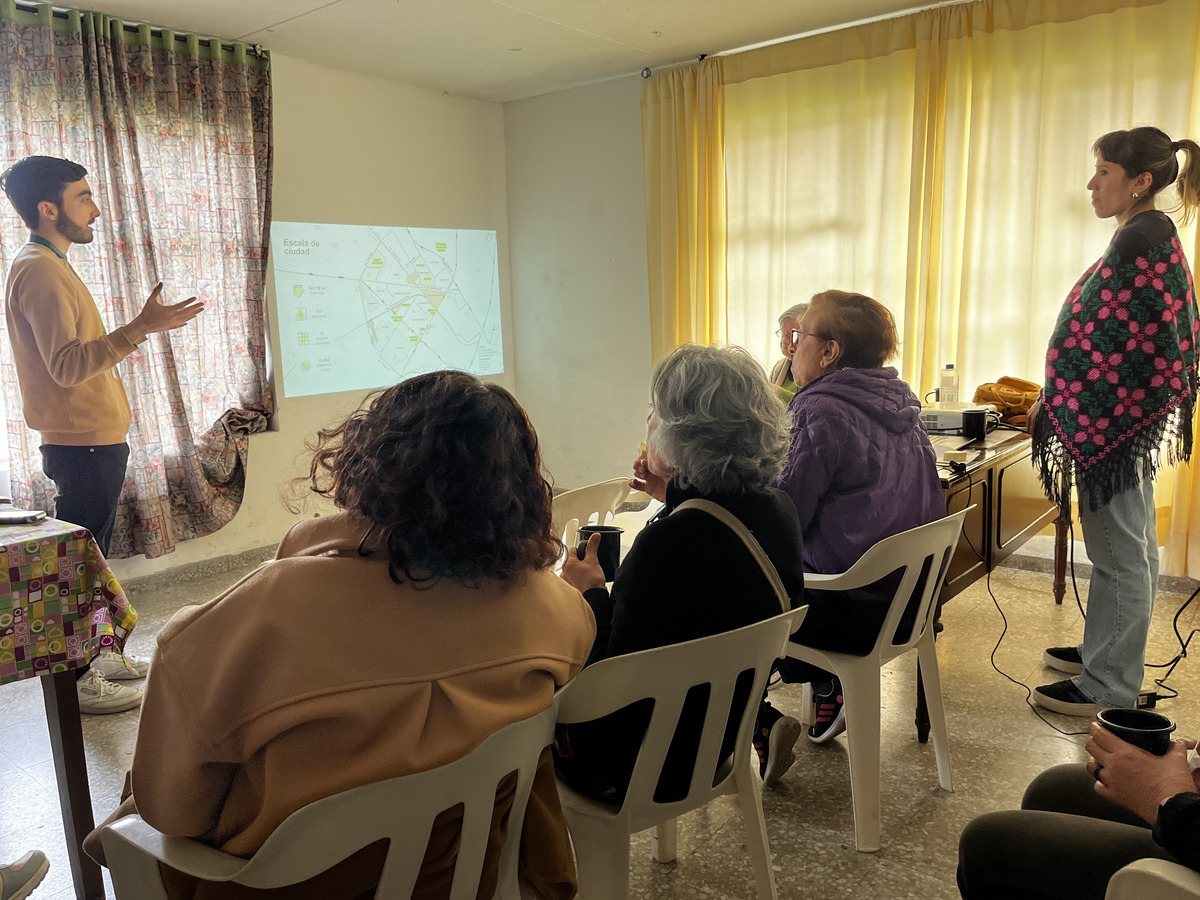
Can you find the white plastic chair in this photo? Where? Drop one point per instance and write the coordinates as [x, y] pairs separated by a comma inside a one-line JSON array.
[[925, 547], [635, 520], [321, 834], [574, 508], [1153, 878], [600, 831]]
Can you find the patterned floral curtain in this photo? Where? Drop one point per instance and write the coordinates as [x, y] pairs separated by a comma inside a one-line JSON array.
[[176, 136]]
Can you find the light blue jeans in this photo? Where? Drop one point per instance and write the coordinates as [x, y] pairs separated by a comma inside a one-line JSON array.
[[1122, 543]]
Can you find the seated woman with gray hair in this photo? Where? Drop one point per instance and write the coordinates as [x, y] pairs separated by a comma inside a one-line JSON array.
[[715, 432], [781, 376]]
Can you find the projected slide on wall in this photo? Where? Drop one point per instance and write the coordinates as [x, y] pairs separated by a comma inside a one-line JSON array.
[[363, 306]]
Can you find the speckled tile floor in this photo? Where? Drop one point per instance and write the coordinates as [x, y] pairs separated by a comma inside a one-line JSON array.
[[997, 746]]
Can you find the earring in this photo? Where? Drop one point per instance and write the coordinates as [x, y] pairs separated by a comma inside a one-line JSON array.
[[1135, 195]]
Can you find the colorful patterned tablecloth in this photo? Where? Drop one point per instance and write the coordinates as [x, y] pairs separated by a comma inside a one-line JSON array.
[[59, 601]]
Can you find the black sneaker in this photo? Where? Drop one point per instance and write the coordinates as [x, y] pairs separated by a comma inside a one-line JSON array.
[[1065, 698], [1064, 659], [831, 711], [775, 740]]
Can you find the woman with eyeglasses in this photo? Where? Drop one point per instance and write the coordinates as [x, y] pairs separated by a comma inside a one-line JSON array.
[[781, 375], [860, 469]]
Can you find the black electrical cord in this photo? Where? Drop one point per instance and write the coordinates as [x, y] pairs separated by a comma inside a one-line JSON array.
[[1183, 651], [1170, 664], [1003, 618], [958, 468]]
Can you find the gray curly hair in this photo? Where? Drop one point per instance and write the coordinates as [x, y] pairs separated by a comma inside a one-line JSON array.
[[720, 426]]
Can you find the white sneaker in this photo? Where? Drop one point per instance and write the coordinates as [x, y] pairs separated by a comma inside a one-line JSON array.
[[18, 880], [117, 667], [98, 696]]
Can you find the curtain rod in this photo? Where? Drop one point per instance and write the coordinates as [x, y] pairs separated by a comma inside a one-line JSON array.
[[133, 28], [921, 7], [899, 14]]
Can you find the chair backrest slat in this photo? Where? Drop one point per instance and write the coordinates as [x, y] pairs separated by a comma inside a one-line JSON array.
[[666, 674], [927, 550], [581, 504], [321, 834]]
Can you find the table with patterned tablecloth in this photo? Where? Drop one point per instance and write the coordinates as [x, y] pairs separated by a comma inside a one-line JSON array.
[[60, 605]]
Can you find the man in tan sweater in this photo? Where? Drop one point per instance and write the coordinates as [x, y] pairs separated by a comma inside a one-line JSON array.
[[65, 360]]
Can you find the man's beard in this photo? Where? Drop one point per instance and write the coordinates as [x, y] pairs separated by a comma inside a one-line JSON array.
[[74, 232]]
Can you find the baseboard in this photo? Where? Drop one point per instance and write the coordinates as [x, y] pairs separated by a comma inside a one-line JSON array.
[[1179, 584], [195, 571]]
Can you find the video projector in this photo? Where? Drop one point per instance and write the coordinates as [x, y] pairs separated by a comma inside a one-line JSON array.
[[948, 417]]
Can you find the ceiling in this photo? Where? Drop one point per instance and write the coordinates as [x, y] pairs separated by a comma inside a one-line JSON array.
[[493, 49]]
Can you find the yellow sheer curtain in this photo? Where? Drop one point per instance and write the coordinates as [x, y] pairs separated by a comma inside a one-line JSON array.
[[938, 162], [807, 153], [682, 138], [1179, 524]]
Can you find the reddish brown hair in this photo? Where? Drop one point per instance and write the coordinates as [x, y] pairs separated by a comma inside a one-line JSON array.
[[863, 327]]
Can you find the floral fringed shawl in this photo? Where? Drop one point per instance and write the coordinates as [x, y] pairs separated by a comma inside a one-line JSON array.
[[1120, 369]]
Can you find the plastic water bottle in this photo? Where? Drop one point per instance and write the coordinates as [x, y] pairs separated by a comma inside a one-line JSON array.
[[948, 385]]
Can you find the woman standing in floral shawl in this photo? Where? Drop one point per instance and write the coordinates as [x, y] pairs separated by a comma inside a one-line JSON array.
[[1118, 401]]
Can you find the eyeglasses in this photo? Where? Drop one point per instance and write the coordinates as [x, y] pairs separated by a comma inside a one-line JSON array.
[[794, 334], [797, 334]]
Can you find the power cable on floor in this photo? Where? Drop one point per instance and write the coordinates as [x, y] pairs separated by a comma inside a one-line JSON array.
[[1183, 651], [1003, 618]]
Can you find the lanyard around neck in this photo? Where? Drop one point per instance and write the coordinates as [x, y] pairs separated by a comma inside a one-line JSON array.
[[38, 239]]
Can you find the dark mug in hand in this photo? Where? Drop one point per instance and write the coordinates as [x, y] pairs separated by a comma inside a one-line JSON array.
[[1139, 727], [609, 551]]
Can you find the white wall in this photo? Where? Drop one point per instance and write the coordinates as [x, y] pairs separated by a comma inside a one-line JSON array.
[[577, 224], [559, 177], [355, 149]]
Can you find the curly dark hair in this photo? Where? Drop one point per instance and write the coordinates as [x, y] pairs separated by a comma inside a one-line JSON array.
[[447, 469]]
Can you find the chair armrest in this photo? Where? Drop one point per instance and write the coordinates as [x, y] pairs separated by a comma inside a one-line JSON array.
[[1155, 878], [842, 581], [134, 848], [837, 582]]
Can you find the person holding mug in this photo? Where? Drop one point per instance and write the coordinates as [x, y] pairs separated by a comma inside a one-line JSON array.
[[715, 434], [1078, 825]]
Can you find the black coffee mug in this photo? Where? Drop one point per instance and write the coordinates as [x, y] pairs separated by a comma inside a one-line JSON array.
[[974, 424], [1140, 727], [609, 551]]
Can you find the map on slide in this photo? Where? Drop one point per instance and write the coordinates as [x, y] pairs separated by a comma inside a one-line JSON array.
[[363, 306]]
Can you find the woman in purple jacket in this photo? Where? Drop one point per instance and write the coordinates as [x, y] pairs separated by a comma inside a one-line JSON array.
[[860, 469]]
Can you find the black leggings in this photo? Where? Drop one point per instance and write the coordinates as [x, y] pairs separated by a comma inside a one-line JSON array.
[[1064, 843]]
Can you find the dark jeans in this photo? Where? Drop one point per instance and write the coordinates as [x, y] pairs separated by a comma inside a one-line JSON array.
[[1064, 843], [89, 483]]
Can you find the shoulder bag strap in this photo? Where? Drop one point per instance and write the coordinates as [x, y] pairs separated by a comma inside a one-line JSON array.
[[735, 525]]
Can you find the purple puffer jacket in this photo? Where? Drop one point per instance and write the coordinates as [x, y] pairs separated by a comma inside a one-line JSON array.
[[861, 468]]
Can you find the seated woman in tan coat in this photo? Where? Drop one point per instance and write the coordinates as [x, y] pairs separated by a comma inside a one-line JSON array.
[[390, 638]]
